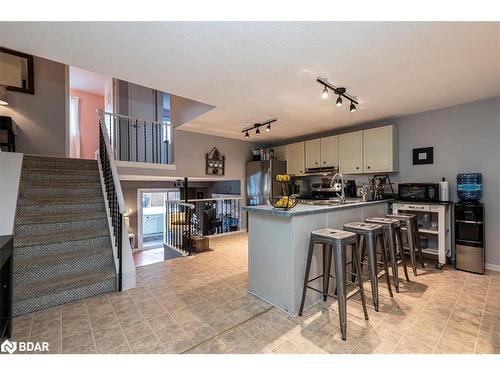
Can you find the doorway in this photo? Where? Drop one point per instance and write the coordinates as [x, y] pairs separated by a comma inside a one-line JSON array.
[[151, 216]]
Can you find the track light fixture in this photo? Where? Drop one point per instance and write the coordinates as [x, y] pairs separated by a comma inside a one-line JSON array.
[[257, 126], [339, 91]]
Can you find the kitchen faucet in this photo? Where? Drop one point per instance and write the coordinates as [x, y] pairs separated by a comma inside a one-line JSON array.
[[342, 192]]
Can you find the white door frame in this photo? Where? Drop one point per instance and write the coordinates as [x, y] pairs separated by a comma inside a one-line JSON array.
[[140, 191]]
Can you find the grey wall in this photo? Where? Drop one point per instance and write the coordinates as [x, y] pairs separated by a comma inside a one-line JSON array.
[[41, 118], [466, 138]]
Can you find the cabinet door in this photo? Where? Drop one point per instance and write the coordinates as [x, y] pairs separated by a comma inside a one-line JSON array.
[[351, 153], [378, 150], [313, 153], [295, 163], [330, 151], [280, 153]]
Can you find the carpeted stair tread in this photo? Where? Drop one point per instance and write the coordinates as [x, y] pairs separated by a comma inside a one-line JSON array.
[[26, 263], [22, 241], [61, 171], [59, 200], [59, 218], [60, 284], [63, 185]]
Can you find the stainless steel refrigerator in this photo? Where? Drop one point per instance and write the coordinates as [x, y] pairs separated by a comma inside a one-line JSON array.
[[260, 180]]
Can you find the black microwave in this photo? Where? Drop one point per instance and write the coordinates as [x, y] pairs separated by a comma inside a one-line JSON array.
[[418, 192]]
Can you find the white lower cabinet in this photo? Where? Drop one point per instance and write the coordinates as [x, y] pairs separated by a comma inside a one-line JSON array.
[[351, 153]]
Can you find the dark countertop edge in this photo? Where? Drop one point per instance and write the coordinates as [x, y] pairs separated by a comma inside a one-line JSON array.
[[440, 203], [269, 210]]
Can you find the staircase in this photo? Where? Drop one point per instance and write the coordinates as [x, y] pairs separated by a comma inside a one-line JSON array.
[[62, 246]]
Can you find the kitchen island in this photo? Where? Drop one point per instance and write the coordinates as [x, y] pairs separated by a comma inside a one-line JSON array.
[[278, 242]]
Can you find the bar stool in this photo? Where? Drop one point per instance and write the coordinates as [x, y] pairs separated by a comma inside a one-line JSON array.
[[335, 241], [409, 221], [392, 230], [369, 235]]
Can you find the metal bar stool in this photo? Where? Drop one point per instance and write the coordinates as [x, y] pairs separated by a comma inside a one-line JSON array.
[[369, 235], [409, 221], [335, 241], [392, 231]]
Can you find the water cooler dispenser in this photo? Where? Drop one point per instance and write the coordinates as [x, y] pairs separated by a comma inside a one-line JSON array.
[[469, 224]]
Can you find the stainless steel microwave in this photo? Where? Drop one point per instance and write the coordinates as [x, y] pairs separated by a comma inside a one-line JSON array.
[[419, 192]]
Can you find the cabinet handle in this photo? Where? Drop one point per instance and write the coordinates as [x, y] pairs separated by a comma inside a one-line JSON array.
[[315, 162], [357, 167], [324, 162], [368, 167]]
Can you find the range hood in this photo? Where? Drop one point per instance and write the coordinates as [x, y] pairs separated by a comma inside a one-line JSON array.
[[321, 171]]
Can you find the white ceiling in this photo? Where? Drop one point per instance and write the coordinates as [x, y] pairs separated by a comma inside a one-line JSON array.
[[252, 71], [83, 80]]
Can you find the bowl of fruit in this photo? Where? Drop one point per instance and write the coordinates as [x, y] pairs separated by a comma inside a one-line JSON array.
[[283, 203]]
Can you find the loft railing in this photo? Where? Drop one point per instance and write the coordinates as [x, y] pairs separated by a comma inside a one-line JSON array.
[[138, 140], [179, 226], [217, 215], [114, 195]]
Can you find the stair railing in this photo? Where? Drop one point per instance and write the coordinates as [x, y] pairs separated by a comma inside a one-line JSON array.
[[138, 140], [114, 195]]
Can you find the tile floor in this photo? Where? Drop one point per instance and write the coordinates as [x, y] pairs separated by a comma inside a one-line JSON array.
[[200, 305]]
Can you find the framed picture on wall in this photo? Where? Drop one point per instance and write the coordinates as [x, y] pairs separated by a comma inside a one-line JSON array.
[[423, 155]]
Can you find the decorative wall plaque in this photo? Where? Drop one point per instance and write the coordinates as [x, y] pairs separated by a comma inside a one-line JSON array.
[[215, 163]]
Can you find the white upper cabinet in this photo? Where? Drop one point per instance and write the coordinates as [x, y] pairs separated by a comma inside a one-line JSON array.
[[330, 151], [280, 152], [295, 163], [351, 153], [313, 153], [380, 150]]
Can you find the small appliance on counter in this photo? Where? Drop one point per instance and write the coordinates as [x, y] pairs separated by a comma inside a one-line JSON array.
[[469, 224], [419, 192], [350, 189]]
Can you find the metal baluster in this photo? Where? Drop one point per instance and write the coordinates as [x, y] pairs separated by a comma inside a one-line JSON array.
[[119, 143], [136, 140], [128, 140], [145, 143]]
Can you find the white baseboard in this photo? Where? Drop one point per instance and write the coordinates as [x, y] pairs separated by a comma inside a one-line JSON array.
[[493, 267]]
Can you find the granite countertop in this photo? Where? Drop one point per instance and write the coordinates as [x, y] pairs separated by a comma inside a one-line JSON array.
[[306, 209]]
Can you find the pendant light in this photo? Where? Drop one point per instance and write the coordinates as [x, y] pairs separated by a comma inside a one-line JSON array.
[[352, 108], [257, 132], [268, 128], [247, 135], [324, 93], [338, 103]]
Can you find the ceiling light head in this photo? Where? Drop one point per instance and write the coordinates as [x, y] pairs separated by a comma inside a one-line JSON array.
[[352, 108], [268, 128], [338, 103], [324, 93], [257, 132], [247, 135]]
